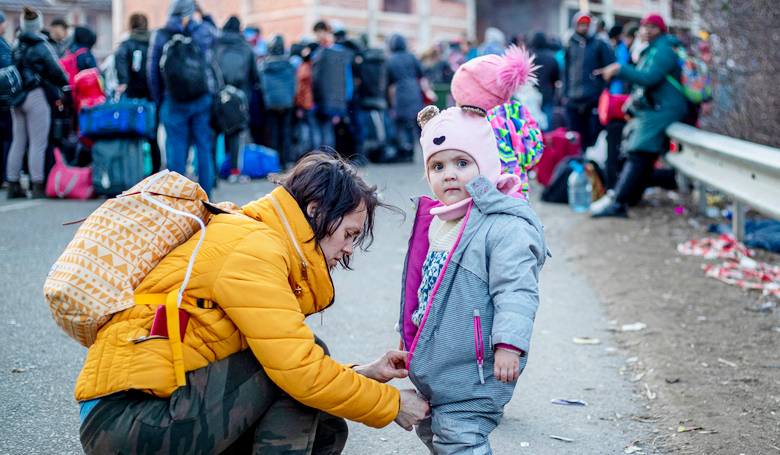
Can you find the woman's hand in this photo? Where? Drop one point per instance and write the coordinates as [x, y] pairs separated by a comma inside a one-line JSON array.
[[506, 367], [608, 72], [392, 365], [413, 409]]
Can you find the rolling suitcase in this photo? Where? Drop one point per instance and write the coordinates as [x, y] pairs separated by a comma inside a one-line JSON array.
[[127, 118], [117, 164]]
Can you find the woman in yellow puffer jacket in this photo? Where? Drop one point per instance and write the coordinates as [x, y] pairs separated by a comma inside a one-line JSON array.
[[257, 378]]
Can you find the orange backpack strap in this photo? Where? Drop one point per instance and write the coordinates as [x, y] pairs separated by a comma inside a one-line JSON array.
[[172, 322]]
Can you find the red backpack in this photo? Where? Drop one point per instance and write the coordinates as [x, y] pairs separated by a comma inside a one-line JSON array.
[[88, 89], [70, 64]]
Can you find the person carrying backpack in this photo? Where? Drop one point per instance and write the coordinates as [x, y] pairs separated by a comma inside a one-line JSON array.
[[130, 62], [406, 87], [236, 61], [332, 82], [656, 102], [37, 65], [278, 80], [181, 82], [6, 60]]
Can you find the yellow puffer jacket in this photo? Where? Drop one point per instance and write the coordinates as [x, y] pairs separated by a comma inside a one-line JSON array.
[[252, 269]]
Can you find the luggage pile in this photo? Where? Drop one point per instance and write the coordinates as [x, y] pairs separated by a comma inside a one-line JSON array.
[[118, 131]]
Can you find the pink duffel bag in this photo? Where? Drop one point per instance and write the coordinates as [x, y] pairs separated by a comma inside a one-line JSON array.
[[68, 182]]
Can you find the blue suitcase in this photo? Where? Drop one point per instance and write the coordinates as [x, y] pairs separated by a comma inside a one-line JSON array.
[[124, 118], [258, 161]]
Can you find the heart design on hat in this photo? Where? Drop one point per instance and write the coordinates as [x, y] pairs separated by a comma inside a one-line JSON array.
[[439, 140]]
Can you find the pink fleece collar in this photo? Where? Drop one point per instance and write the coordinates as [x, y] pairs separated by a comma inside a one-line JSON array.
[[507, 184]]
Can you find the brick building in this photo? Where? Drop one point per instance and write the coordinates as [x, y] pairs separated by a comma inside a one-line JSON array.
[[423, 22], [95, 14]]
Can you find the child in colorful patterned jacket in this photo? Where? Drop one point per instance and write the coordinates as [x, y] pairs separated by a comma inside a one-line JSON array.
[[471, 280]]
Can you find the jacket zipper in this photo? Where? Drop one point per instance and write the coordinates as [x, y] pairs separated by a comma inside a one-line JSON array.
[[406, 273], [479, 346]]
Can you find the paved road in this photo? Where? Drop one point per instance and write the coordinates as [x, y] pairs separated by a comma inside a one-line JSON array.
[[39, 364]]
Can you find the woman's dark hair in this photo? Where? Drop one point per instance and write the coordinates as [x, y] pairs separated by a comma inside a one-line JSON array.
[[336, 189]]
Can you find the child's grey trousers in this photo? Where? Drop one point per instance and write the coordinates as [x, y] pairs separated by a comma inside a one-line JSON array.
[[444, 435]]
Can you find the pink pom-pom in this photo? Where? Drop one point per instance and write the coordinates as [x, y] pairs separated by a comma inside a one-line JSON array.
[[517, 69]]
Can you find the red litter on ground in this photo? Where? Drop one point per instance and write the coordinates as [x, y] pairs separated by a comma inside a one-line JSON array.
[[739, 269]]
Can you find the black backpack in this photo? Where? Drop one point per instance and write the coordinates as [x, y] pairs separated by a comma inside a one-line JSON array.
[[373, 79], [230, 110], [11, 87], [233, 64], [184, 69]]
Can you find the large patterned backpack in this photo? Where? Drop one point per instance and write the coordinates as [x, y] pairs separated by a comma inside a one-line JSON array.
[[695, 82], [117, 246], [519, 140]]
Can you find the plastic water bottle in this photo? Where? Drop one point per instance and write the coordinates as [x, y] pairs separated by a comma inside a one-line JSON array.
[[579, 188]]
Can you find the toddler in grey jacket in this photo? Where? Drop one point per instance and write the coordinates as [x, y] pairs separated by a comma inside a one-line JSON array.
[[471, 283]]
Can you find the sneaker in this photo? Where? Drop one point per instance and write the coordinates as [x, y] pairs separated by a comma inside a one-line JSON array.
[[15, 191], [614, 210], [603, 202]]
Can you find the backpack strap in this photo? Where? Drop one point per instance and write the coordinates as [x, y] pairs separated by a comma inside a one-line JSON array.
[[172, 323]]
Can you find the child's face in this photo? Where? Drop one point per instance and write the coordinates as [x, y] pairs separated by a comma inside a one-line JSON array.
[[448, 173]]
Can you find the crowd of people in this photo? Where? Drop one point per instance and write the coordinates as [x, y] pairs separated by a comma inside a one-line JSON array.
[[332, 91], [337, 91]]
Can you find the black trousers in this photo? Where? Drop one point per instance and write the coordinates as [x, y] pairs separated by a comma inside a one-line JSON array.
[[614, 162], [6, 136], [583, 119], [279, 133], [638, 174]]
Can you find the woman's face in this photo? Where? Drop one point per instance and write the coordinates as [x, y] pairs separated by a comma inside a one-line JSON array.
[[342, 242]]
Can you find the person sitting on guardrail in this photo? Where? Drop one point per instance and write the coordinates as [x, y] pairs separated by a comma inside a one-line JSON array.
[[655, 103]]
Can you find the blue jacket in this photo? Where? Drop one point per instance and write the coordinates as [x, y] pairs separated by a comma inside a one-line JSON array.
[[5, 54], [491, 280], [622, 56], [583, 55], [203, 33]]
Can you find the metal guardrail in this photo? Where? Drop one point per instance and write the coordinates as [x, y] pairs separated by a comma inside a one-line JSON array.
[[748, 172]]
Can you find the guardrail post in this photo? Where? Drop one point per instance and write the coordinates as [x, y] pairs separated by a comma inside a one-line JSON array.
[[738, 221], [701, 196]]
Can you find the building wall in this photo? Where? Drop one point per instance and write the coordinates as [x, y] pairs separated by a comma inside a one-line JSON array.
[[157, 11], [430, 21]]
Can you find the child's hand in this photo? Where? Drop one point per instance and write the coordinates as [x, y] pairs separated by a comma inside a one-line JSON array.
[[506, 367]]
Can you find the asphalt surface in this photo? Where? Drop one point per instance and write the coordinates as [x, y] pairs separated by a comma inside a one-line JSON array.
[[39, 363]]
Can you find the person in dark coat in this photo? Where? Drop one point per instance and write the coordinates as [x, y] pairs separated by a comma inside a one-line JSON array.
[[654, 105], [39, 68], [582, 88], [185, 122], [130, 62], [84, 38], [406, 83], [548, 74], [279, 117], [236, 61], [332, 82], [59, 33], [6, 127]]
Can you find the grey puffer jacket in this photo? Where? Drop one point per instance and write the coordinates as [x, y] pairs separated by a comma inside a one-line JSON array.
[[490, 283]]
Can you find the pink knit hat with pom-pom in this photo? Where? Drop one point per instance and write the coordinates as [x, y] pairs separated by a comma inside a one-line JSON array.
[[490, 80]]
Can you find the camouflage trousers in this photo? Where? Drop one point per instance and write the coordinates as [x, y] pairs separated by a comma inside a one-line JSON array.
[[230, 406]]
